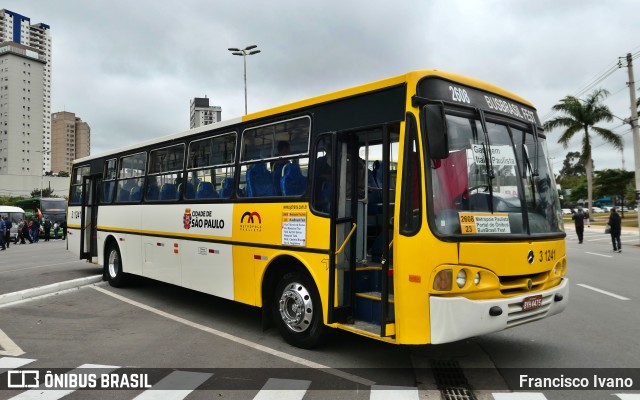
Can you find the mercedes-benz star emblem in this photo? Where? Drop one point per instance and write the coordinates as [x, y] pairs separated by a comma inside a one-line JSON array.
[[530, 257]]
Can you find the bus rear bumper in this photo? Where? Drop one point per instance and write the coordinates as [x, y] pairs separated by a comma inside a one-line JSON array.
[[457, 318]]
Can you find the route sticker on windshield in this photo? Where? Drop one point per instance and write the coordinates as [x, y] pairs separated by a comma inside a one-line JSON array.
[[474, 223]]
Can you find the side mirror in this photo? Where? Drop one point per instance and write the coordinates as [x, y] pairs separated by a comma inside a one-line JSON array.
[[434, 124]]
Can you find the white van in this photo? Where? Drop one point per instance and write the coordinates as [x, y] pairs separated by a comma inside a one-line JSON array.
[[15, 214]]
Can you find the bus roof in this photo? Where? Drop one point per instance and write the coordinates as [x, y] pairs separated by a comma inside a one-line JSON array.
[[410, 77], [11, 209]]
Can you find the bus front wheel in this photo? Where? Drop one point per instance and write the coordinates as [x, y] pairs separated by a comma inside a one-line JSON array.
[[297, 311], [113, 267]]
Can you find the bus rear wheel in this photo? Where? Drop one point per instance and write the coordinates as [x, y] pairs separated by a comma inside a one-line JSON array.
[[297, 311], [113, 266]]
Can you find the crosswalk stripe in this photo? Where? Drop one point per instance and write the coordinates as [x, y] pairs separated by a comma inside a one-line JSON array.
[[8, 363], [166, 388], [283, 389], [519, 396], [379, 392], [628, 396], [42, 394]]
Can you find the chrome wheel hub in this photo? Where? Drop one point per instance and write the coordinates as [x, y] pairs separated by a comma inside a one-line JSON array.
[[296, 307], [114, 263]]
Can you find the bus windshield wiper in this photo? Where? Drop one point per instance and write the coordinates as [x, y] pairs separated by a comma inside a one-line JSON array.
[[486, 148], [534, 131]]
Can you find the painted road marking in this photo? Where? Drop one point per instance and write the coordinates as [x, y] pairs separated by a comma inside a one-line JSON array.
[[603, 292], [8, 346], [379, 392], [245, 342], [283, 389], [519, 396], [40, 394], [598, 254], [166, 388], [9, 363]]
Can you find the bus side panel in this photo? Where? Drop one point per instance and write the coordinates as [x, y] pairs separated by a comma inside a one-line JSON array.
[[208, 267], [179, 246], [73, 230], [124, 224], [414, 261]]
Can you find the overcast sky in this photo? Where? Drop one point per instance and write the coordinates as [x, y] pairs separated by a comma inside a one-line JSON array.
[[129, 68]]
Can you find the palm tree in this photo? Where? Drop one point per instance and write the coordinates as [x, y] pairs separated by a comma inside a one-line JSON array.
[[582, 116]]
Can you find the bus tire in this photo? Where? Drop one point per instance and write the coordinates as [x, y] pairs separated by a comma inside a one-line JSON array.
[[113, 266], [297, 311]]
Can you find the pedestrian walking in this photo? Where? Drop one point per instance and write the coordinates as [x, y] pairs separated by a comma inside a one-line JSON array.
[[26, 233], [35, 230], [2, 231], [615, 227], [47, 229], [63, 224], [56, 228], [7, 233], [579, 218], [20, 231]]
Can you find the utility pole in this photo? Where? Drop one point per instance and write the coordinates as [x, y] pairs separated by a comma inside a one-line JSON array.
[[634, 130]]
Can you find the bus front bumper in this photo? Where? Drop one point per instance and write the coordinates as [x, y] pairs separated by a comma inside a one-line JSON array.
[[457, 318]]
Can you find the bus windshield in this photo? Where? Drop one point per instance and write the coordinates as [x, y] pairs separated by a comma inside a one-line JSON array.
[[53, 205], [494, 181]]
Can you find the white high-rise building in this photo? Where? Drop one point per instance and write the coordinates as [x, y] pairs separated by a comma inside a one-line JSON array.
[[203, 114], [18, 29]]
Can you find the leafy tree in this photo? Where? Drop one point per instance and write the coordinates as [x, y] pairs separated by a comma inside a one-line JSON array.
[[581, 116], [46, 192], [579, 191], [63, 173], [613, 182], [572, 165]]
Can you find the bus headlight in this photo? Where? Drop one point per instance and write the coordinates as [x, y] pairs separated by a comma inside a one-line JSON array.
[[476, 280], [443, 280], [461, 279]]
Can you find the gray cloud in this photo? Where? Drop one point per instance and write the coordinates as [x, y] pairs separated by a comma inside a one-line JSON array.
[[130, 68]]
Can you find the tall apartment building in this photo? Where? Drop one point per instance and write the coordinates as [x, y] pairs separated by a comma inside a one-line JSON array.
[[18, 29], [21, 109], [202, 113], [70, 139]]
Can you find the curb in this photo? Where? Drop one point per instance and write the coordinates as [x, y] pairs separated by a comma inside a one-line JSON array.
[[48, 289]]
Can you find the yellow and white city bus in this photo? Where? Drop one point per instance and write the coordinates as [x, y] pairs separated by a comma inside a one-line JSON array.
[[455, 229]]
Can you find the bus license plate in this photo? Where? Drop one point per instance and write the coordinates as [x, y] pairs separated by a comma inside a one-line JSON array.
[[532, 302]]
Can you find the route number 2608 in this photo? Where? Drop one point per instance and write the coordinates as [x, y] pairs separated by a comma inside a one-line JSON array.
[[459, 95]]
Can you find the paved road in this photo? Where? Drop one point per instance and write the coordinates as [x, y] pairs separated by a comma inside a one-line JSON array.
[[25, 266], [180, 337]]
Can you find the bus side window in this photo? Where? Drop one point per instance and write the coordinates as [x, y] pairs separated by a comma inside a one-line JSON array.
[[322, 176]]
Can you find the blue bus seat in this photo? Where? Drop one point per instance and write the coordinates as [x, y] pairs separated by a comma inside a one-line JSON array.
[[168, 192], [276, 174], [123, 195], [227, 188], [259, 181], [293, 183], [206, 191], [136, 194]]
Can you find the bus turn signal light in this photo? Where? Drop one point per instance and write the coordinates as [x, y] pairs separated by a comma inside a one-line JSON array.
[[443, 280]]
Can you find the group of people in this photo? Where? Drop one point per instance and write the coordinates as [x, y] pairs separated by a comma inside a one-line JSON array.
[[30, 230], [615, 227]]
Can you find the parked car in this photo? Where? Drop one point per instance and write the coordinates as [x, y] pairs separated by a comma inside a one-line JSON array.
[[597, 210], [567, 211]]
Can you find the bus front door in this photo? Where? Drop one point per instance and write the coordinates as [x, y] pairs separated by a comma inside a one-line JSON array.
[[89, 218], [363, 225]]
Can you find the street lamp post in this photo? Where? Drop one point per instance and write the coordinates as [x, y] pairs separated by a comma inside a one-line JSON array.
[[247, 51], [42, 174]]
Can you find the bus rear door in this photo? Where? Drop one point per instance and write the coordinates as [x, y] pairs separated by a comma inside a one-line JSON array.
[[89, 217]]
